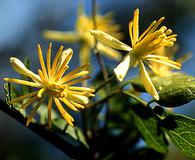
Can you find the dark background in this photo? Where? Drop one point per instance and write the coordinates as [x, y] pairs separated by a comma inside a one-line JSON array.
[[21, 25]]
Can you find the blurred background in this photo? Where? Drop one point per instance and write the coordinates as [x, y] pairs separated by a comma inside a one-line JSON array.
[[21, 26]]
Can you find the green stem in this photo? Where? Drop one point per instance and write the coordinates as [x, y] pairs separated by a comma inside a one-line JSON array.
[[99, 58], [103, 99], [104, 83], [135, 97]]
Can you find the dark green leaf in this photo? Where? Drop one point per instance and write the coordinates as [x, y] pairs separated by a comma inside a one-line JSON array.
[[183, 134], [147, 124], [174, 90]]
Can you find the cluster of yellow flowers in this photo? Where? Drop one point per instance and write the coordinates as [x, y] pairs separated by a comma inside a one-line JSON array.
[[51, 82], [143, 49]]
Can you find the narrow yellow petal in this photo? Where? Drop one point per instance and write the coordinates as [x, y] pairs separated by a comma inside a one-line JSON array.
[[62, 36], [69, 119], [84, 54], [32, 113], [18, 99], [84, 89], [147, 81], [41, 76], [109, 40], [41, 92], [77, 80], [49, 107], [65, 58], [40, 54], [136, 26], [82, 73], [49, 59], [131, 33], [167, 63], [77, 105], [78, 98], [54, 65], [87, 94], [69, 104], [109, 52], [23, 82], [29, 102], [121, 70], [156, 56]]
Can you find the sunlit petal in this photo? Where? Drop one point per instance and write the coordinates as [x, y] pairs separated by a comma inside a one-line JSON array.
[[109, 40]]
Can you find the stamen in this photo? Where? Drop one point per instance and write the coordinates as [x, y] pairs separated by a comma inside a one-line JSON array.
[[168, 32], [155, 26], [147, 30]]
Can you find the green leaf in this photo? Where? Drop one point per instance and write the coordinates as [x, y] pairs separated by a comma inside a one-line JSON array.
[[147, 123], [183, 135], [174, 90], [74, 132]]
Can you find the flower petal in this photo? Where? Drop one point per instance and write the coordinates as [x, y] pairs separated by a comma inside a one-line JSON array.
[[122, 68], [109, 40], [107, 51], [61, 36], [19, 67], [147, 81]]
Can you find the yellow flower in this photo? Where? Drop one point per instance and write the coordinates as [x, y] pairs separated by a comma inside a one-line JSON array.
[[81, 34], [143, 49], [164, 70], [51, 83]]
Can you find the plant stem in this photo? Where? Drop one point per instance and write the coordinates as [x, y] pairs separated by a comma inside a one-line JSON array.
[[135, 97], [100, 60], [104, 83], [75, 150], [103, 99], [96, 52]]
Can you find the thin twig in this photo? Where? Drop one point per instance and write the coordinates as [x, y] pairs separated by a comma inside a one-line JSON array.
[[104, 83], [96, 52], [99, 58], [103, 99], [135, 97]]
